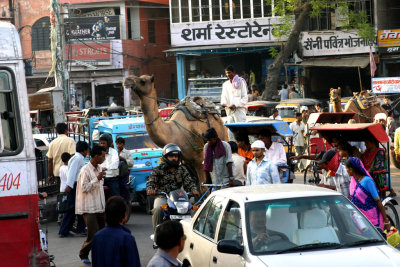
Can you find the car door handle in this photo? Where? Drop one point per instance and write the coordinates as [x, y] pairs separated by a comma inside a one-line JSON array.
[[214, 259], [191, 246]]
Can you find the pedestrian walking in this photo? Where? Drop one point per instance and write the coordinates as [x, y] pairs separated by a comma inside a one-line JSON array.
[[298, 129], [218, 162], [57, 147], [170, 240], [125, 165], [293, 94], [284, 93], [90, 200], [75, 165], [114, 245], [111, 165], [234, 97], [63, 178], [261, 170]]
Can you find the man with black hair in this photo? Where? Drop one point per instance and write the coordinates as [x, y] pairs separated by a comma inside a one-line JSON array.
[[90, 200], [75, 165], [244, 147], [114, 245], [298, 129], [218, 162], [111, 164], [234, 97], [170, 175], [61, 144], [170, 239], [240, 165], [275, 115]]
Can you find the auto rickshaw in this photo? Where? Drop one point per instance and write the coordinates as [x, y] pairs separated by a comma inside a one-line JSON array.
[[261, 108], [281, 133], [288, 108], [359, 132]]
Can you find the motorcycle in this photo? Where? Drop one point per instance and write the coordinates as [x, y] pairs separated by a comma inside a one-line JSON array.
[[178, 207]]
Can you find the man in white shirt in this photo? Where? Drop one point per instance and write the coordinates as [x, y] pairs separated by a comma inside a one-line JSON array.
[[275, 115], [298, 129], [111, 164], [274, 151], [284, 93], [234, 98]]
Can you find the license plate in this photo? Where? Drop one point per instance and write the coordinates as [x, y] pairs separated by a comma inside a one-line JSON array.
[[179, 217]]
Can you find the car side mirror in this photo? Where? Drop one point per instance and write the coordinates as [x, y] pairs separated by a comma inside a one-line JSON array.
[[381, 232], [230, 247]]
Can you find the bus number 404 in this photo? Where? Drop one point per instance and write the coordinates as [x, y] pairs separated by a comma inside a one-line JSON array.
[[7, 181]]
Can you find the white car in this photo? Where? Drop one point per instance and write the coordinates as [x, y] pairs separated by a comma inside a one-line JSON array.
[[282, 225]]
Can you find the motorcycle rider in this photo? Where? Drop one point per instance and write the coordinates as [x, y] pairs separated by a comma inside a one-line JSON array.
[[170, 175]]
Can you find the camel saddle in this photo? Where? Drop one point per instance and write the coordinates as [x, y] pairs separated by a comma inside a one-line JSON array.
[[363, 102], [197, 109]]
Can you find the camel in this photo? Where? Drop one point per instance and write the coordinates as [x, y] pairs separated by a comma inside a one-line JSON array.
[[363, 98], [178, 130]]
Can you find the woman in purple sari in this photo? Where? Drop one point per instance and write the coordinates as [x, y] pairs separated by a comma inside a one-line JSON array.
[[364, 194]]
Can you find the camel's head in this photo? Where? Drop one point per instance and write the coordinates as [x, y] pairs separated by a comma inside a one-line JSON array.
[[335, 94], [140, 85]]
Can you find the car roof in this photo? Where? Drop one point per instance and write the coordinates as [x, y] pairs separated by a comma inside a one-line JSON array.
[[273, 191]]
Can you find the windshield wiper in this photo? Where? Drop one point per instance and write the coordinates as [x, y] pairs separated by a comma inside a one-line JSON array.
[[310, 247], [362, 242]]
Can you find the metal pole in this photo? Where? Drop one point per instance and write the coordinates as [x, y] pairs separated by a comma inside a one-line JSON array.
[[359, 76]]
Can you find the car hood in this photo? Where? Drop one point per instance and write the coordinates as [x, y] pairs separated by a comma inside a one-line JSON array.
[[383, 255]]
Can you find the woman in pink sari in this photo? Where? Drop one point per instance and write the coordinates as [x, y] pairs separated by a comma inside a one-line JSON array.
[[364, 194]]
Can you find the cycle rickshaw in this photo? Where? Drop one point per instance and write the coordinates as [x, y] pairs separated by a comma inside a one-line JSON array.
[[359, 132], [280, 132]]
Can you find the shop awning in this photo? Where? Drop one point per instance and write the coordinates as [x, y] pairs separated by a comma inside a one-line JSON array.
[[350, 62], [219, 49]]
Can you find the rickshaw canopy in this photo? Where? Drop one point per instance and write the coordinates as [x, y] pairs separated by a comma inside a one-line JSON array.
[[330, 117], [301, 101], [353, 132], [255, 105], [253, 126]]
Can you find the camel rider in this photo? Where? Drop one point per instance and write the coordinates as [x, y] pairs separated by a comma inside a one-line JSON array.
[[170, 175]]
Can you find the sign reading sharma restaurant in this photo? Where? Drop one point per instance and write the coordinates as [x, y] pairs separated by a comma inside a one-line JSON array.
[[224, 32], [386, 85], [333, 43]]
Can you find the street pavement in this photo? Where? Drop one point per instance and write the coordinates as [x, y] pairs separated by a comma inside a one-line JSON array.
[[66, 249]]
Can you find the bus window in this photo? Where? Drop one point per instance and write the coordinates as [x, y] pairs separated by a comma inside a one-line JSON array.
[[9, 137]]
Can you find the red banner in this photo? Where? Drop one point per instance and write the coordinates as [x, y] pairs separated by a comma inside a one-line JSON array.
[[94, 54]]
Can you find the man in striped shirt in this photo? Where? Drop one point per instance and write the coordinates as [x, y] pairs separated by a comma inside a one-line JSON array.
[[90, 200]]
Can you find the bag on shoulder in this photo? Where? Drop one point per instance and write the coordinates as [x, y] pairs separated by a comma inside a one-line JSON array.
[[62, 203], [123, 168]]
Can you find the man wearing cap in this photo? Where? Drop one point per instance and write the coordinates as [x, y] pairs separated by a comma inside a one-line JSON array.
[[218, 162], [261, 170], [336, 176]]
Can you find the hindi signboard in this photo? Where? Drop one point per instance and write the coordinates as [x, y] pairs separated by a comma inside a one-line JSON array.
[[91, 53], [224, 32], [333, 43], [387, 85], [389, 41], [92, 28]]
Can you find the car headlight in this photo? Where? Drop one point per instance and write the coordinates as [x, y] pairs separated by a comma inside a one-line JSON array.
[[182, 207]]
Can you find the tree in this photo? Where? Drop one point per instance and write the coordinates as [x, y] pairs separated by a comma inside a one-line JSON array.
[[301, 11]]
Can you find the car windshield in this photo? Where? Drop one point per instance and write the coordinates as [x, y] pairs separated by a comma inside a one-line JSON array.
[[138, 141], [288, 112], [284, 226]]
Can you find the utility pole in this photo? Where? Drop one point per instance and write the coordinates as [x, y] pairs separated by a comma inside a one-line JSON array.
[[58, 53]]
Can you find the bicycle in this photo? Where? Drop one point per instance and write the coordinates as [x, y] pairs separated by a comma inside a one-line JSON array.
[[311, 174]]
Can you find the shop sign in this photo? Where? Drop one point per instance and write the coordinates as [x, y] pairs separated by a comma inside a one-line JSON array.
[[92, 28], [334, 43], [91, 53], [224, 32], [389, 41], [387, 85]]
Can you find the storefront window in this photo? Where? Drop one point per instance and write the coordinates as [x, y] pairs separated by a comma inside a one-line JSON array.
[[185, 10], [205, 10], [175, 11], [246, 9], [195, 10], [257, 8], [236, 9], [215, 10]]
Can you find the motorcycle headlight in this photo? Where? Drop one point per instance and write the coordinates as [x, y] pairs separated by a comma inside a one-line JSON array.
[[182, 207]]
